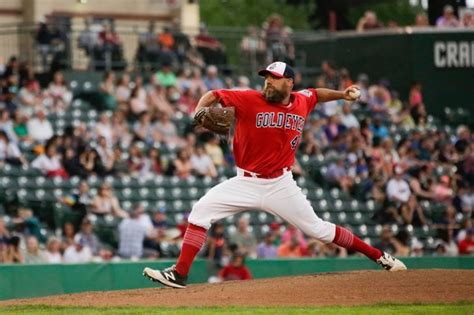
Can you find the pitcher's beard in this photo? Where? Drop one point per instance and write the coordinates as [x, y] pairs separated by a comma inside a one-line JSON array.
[[274, 96]]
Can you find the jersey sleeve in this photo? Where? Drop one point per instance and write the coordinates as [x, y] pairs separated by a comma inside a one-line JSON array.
[[229, 98], [312, 100], [310, 97], [233, 98]]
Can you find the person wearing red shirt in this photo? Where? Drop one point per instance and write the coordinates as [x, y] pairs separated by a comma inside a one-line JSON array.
[[466, 246], [236, 270], [268, 128]]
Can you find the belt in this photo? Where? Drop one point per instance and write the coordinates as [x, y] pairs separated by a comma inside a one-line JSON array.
[[274, 174]]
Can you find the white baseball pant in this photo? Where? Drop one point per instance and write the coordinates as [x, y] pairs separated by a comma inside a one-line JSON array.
[[279, 196]]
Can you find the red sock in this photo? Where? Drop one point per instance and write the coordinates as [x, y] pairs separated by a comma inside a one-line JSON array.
[[194, 238], [347, 239]]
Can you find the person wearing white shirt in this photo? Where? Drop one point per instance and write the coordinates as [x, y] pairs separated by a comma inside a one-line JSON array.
[[132, 233], [39, 128], [202, 164], [78, 253], [398, 189], [52, 254], [104, 128], [348, 119], [48, 162], [9, 151]]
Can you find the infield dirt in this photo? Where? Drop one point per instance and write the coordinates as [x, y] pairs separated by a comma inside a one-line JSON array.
[[348, 288]]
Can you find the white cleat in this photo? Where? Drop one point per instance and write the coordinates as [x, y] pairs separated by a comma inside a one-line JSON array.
[[168, 277], [390, 263]]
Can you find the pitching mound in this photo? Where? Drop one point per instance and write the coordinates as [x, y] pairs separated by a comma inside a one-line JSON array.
[[349, 288]]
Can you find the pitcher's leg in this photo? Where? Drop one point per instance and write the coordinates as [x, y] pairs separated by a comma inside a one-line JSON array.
[[221, 201], [293, 206]]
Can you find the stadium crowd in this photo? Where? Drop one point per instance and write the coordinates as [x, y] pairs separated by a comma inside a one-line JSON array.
[[140, 118]]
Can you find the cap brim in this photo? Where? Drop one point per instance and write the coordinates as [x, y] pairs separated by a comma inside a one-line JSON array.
[[265, 72]]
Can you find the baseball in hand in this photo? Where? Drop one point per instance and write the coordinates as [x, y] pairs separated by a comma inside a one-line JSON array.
[[354, 92]]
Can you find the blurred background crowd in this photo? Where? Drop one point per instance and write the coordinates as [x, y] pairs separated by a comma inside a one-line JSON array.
[[382, 166]]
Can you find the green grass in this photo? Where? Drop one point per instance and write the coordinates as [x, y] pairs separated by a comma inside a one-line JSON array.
[[466, 308]]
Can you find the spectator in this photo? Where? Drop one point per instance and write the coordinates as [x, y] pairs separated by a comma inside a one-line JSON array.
[[58, 94], [39, 128], [167, 129], [77, 253], [88, 38], [244, 238], [9, 92], [215, 246], [278, 42], [446, 244], [137, 163], [157, 100], [81, 200], [182, 164], [236, 270], [448, 19], [211, 49], [290, 248], [467, 19], [165, 77], [120, 130], [198, 86], [211, 80], [398, 191], [202, 164], [330, 77], [52, 254], [334, 129], [466, 246], [106, 203], [4, 242], [103, 129], [166, 39], [266, 249], [88, 237], [123, 92], [33, 254], [345, 79], [243, 83], [386, 242], [15, 255], [253, 47], [105, 153], [44, 40], [107, 90], [9, 151], [132, 233], [338, 175], [30, 97], [156, 163], [421, 20], [348, 119], [50, 162], [368, 22], [68, 235]]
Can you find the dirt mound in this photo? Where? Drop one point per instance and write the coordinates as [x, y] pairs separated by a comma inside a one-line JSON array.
[[348, 288]]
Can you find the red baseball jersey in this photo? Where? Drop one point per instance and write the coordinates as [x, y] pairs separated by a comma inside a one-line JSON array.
[[267, 135]]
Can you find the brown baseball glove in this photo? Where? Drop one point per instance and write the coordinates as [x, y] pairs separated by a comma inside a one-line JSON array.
[[216, 119]]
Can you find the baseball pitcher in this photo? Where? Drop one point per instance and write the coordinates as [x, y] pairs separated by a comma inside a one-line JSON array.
[[268, 129]]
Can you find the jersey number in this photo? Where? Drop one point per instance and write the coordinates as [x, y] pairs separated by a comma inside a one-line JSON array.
[[294, 142]]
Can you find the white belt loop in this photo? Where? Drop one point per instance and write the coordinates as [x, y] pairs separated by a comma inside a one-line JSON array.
[[241, 172]]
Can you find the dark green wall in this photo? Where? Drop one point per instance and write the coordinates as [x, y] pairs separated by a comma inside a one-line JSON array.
[[20, 281], [401, 58]]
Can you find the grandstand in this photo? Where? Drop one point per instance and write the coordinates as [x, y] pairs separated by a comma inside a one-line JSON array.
[[440, 145]]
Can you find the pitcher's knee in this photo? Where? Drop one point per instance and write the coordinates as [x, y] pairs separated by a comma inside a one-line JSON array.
[[200, 215], [322, 230]]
